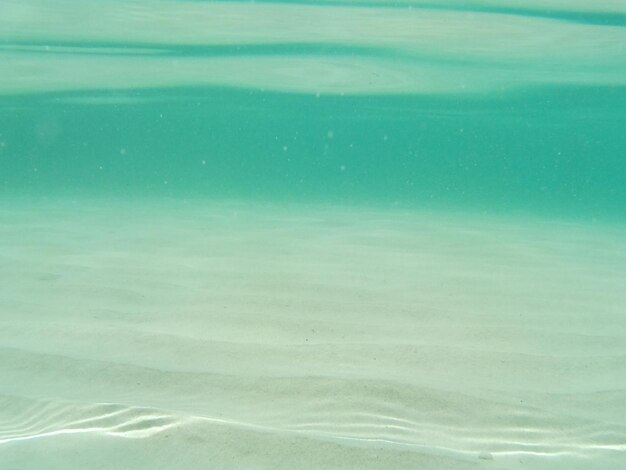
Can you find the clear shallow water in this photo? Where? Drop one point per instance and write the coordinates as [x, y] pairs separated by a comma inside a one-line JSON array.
[[544, 152], [516, 107], [373, 234]]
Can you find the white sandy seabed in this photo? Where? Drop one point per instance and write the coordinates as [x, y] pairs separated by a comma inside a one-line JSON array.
[[191, 335]]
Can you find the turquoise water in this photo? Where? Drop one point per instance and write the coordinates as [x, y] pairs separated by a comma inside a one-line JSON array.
[[498, 107], [312, 234], [557, 151]]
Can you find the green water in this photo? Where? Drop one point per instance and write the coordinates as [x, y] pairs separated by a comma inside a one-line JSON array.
[[312, 234], [556, 151], [505, 109]]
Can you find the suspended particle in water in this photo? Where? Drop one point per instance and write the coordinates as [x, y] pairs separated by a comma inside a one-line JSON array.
[[122, 151], [330, 134], [284, 148], [342, 167], [204, 162]]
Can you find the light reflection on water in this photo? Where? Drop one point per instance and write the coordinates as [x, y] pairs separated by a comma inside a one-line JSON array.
[[341, 47]]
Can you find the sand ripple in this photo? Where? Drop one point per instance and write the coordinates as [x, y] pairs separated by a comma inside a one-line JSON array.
[[146, 337]]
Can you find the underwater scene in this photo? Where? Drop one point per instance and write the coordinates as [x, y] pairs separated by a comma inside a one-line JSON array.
[[313, 234]]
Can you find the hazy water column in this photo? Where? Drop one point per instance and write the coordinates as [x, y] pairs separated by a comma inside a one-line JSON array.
[[334, 234], [350, 102]]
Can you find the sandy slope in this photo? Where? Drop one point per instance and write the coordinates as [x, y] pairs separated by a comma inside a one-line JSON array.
[[159, 334]]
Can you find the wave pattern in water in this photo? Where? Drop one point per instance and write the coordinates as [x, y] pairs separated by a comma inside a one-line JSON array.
[[29, 420], [330, 48]]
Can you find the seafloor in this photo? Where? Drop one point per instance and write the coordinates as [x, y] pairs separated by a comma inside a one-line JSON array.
[[193, 334]]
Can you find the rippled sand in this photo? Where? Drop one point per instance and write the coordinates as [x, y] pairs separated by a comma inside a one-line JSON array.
[[193, 335]]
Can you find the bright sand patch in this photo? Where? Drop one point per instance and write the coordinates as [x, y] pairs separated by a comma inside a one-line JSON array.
[[194, 335]]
